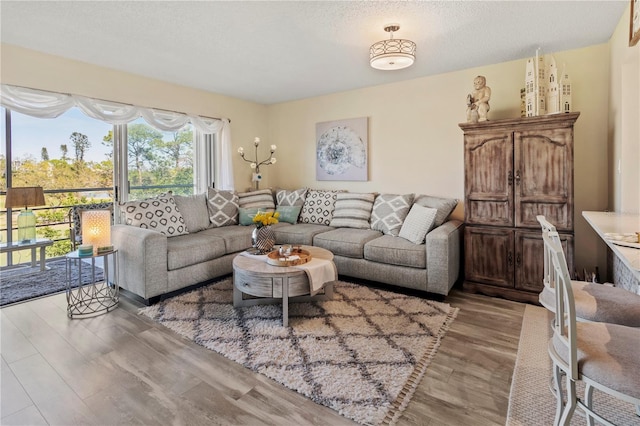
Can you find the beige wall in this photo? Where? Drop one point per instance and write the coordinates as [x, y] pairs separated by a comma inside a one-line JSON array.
[[415, 144], [624, 121], [23, 67]]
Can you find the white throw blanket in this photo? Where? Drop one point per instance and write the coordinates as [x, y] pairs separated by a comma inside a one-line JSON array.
[[319, 272]]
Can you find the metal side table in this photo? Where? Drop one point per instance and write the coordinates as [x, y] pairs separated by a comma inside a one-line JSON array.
[[91, 296]]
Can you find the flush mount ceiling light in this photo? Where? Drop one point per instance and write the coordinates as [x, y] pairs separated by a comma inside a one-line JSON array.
[[392, 54]]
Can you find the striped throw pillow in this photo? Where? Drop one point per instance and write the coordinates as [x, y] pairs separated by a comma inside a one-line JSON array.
[[352, 210], [261, 199]]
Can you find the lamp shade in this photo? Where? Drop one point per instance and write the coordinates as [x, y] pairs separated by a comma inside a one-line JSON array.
[[392, 54], [24, 197], [96, 228]]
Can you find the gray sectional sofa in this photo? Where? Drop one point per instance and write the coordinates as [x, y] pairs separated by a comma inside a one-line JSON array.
[[171, 242]]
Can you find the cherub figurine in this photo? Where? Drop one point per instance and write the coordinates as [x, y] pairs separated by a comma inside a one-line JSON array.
[[478, 101]]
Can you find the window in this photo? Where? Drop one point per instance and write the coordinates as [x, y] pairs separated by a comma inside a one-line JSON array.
[[156, 161], [67, 156], [85, 154]]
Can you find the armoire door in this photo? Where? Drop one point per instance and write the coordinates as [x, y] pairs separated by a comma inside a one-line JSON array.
[[489, 178], [489, 255], [529, 259], [543, 177]]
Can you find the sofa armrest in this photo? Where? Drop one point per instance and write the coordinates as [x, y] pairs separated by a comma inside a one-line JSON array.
[[142, 260], [444, 249]]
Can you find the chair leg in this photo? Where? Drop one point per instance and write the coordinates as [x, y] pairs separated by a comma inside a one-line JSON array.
[[588, 401], [570, 406], [557, 388]]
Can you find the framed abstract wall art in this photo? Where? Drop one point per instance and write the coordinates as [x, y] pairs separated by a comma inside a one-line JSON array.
[[342, 149], [634, 24]]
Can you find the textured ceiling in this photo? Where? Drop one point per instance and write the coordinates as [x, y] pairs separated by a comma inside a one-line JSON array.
[[270, 52]]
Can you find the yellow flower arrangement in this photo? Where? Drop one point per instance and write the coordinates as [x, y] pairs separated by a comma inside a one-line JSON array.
[[265, 218]]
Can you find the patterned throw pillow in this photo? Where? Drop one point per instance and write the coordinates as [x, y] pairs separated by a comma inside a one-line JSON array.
[[159, 213], [289, 214], [245, 216], [318, 207], [353, 210], [223, 207], [291, 198], [444, 206], [262, 199], [418, 223], [389, 212]]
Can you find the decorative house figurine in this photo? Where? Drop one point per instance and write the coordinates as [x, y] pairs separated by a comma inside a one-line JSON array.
[[553, 94], [545, 92], [565, 95], [478, 101]]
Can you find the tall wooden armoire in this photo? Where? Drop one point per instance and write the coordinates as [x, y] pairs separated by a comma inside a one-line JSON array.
[[515, 169]]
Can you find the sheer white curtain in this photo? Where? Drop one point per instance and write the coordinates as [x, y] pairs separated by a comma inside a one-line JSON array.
[[43, 104]]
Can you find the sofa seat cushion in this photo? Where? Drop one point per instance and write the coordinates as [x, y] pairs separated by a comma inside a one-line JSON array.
[[347, 242], [236, 238], [192, 249], [300, 233], [396, 251]]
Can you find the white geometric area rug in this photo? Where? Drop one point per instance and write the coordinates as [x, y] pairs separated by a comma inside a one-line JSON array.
[[361, 353], [531, 401]]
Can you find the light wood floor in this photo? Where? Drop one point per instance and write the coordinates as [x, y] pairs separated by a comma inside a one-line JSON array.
[[122, 368]]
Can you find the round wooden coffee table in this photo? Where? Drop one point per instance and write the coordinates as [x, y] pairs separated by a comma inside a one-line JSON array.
[[270, 284]]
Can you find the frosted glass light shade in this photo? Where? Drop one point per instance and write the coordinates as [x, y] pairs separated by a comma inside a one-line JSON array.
[[96, 228], [392, 54]]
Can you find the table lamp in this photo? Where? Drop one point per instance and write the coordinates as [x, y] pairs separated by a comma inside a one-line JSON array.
[[25, 196], [96, 230]]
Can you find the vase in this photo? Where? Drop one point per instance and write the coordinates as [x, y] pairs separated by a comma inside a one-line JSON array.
[[263, 239]]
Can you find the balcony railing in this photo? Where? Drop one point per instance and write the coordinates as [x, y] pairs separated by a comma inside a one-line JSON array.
[[53, 222]]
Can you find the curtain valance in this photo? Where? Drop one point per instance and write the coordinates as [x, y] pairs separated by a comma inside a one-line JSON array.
[[43, 104]]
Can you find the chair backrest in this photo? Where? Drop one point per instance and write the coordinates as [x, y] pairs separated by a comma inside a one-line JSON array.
[[564, 324], [549, 276]]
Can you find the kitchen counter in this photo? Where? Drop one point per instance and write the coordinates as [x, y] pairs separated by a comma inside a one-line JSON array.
[[624, 257]]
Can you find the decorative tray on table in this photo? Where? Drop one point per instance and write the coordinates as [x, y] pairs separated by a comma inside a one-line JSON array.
[[297, 257]]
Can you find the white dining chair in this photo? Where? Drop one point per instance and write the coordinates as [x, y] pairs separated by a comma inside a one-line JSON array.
[[604, 356], [593, 302]]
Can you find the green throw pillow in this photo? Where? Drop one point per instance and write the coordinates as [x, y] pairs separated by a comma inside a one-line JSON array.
[[289, 213], [246, 215]]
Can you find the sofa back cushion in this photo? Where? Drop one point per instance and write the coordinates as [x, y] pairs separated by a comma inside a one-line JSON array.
[[444, 206], [389, 212], [291, 198], [352, 210], [318, 207], [194, 211], [261, 199], [159, 213], [222, 206]]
